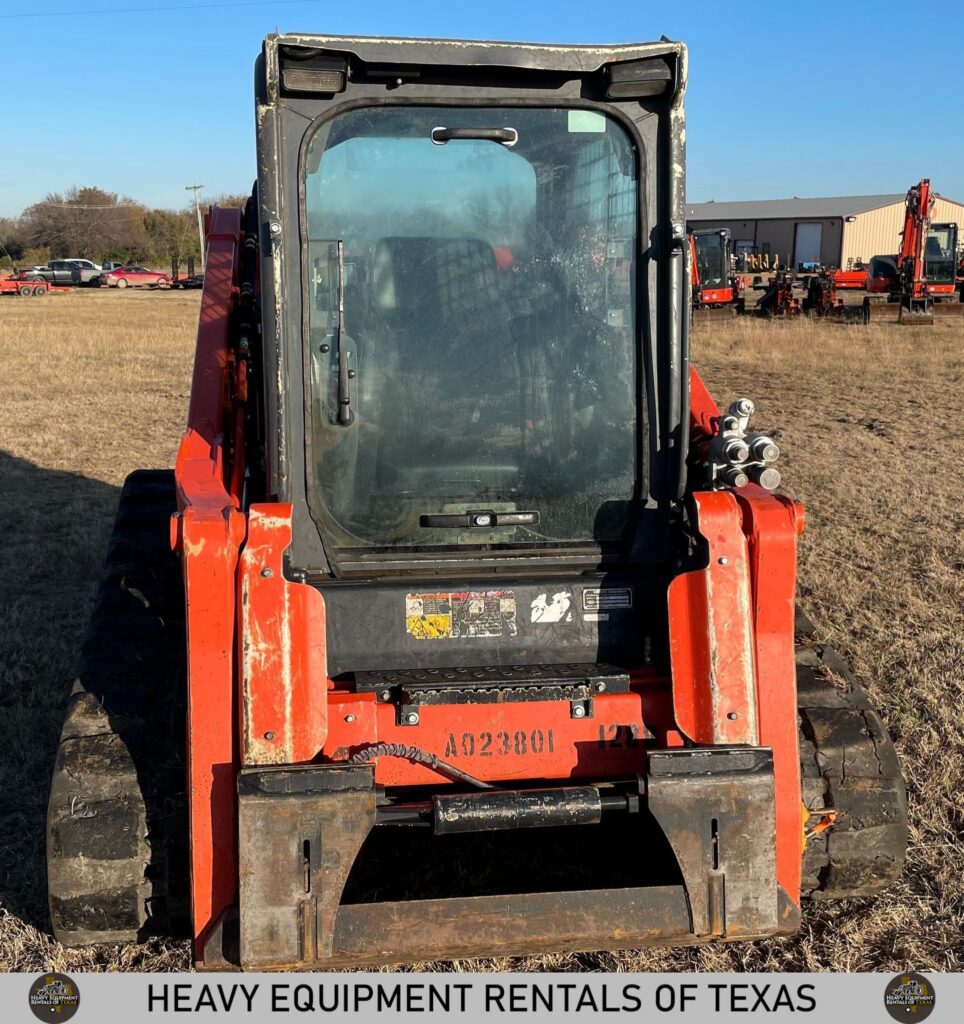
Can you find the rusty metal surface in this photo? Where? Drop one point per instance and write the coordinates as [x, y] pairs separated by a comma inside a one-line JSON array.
[[511, 925], [716, 807], [300, 831], [377, 934], [896, 312], [916, 316], [281, 649]]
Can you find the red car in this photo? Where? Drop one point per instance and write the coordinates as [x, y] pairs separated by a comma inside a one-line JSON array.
[[134, 277]]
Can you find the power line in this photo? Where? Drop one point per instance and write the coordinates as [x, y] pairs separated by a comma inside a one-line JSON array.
[[53, 15]]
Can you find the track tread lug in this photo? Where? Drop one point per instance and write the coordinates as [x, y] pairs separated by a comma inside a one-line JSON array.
[[849, 767], [803, 625], [117, 815]]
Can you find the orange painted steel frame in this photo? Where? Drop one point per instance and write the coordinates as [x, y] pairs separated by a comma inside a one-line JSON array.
[[256, 642], [919, 204], [850, 279], [769, 527], [247, 627], [716, 296], [207, 531]]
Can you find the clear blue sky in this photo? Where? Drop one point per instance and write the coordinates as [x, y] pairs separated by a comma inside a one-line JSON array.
[[801, 98]]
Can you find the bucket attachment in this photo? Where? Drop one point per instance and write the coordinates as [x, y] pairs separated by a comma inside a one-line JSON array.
[[302, 831], [713, 314], [880, 311], [946, 310], [918, 312]]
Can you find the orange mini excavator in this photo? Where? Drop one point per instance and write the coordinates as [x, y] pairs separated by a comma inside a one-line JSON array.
[[919, 282], [715, 288]]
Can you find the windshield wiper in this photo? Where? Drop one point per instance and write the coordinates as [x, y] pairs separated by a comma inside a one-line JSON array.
[[345, 414]]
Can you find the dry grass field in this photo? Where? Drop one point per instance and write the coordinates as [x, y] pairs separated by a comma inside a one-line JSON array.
[[95, 384]]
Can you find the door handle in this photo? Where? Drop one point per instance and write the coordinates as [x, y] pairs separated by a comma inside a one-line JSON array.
[[481, 519]]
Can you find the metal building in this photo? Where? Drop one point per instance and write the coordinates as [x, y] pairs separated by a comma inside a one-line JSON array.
[[833, 231]]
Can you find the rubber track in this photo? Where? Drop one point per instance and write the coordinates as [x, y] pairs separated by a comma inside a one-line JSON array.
[[117, 817], [848, 766]]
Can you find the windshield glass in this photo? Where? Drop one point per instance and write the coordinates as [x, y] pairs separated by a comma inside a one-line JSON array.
[[488, 326], [939, 252], [711, 260]]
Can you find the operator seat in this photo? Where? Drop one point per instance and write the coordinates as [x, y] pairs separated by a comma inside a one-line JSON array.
[[438, 305], [438, 295]]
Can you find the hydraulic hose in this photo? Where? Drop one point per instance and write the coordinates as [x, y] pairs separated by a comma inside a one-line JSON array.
[[419, 756]]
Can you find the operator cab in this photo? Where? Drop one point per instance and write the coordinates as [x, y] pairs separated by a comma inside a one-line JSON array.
[[484, 296], [713, 258], [471, 259], [474, 277], [940, 250]]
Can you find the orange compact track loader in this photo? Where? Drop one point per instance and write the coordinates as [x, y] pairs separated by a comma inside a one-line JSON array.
[[465, 623]]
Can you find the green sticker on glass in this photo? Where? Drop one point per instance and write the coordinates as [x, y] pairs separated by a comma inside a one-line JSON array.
[[586, 121]]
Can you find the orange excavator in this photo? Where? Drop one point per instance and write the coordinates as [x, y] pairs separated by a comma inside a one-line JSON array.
[[716, 290], [918, 282]]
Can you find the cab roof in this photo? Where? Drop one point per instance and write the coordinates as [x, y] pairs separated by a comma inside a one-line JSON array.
[[477, 52]]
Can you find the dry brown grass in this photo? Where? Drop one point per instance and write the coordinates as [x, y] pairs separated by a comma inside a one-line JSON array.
[[93, 385]]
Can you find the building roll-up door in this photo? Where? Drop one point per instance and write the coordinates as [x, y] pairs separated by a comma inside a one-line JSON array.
[[806, 244]]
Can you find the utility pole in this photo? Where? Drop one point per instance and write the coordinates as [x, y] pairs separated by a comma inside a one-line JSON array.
[[200, 226]]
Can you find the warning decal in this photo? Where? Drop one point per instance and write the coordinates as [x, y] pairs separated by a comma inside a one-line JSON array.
[[461, 614], [428, 616]]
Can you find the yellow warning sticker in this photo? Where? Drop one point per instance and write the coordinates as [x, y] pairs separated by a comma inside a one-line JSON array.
[[428, 616], [461, 614]]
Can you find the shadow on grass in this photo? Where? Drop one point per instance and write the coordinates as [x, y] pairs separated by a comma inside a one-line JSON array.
[[55, 531]]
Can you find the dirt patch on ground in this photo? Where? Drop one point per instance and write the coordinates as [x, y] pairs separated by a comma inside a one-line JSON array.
[[95, 384]]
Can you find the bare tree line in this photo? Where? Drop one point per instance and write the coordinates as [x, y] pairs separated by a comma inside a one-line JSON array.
[[95, 224]]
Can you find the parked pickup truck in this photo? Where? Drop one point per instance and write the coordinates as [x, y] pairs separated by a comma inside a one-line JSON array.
[[70, 272]]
